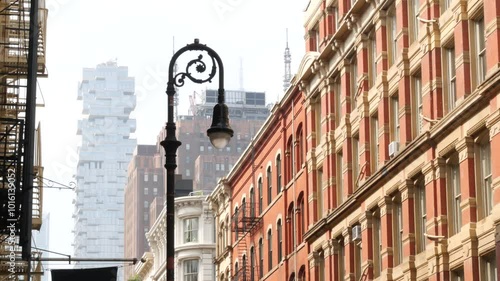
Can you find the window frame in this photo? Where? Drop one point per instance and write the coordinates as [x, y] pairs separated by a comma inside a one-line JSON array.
[[190, 276], [190, 234], [454, 194]]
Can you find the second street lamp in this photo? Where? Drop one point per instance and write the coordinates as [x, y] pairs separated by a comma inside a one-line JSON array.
[[219, 132]]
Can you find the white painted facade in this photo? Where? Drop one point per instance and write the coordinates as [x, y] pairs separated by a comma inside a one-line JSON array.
[[194, 243]]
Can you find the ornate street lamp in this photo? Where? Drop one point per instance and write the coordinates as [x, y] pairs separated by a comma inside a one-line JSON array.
[[219, 133]]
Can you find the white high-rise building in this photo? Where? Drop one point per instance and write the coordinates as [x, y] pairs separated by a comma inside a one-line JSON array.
[[107, 93]]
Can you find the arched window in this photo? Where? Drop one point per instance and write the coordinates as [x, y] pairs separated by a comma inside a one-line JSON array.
[[299, 158], [252, 203], [302, 274], [235, 222], [290, 226], [269, 185], [261, 258], [292, 277], [278, 174], [261, 195], [252, 264], [289, 160], [279, 231], [300, 217], [269, 249], [236, 272]]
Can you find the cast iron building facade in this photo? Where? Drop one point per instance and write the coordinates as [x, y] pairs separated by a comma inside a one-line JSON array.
[[384, 166], [107, 93], [197, 159]]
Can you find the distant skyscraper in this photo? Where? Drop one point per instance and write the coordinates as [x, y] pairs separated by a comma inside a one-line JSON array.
[[106, 149], [197, 159], [145, 183]]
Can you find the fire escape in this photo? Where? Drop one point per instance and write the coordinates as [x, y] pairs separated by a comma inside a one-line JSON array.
[[245, 223], [14, 43]]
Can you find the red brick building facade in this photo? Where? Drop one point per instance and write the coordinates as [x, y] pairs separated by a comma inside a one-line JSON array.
[[381, 162]]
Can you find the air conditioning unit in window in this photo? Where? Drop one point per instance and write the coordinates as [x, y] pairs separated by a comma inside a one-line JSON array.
[[393, 148], [356, 233]]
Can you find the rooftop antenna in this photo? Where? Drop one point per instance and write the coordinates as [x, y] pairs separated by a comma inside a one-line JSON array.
[[241, 74], [288, 59]]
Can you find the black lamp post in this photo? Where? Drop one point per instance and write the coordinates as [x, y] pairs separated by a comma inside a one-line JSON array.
[[219, 133]]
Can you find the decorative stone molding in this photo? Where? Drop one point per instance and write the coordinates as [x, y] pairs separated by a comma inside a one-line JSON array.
[[320, 67], [313, 259], [347, 235], [406, 188], [385, 205], [365, 220], [352, 22], [327, 248], [493, 124], [337, 46], [465, 149]]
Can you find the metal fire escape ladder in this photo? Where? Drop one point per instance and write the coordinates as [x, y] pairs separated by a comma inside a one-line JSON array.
[[245, 222], [14, 49]]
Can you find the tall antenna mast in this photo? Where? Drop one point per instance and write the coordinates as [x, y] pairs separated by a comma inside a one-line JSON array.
[[241, 74], [288, 59]]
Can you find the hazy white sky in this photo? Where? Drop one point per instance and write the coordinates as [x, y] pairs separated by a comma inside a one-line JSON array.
[[139, 34]]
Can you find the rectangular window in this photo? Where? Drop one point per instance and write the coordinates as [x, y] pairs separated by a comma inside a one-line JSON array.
[[373, 59], [336, 18], [317, 117], [353, 71], [489, 267], [146, 191], [420, 214], [392, 34], [450, 78], [338, 102], [480, 49], [457, 274], [418, 104], [357, 261], [319, 194], [413, 14], [190, 230], [190, 270], [397, 229], [485, 188], [155, 178], [445, 5], [394, 119], [202, 148], [355, 160], [377, 242], [375, 143], [454, 196], [341, 259], [146, 177], [339, 178], [321, 267]]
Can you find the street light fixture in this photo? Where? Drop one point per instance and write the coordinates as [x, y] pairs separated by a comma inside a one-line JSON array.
[[219, 132]]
